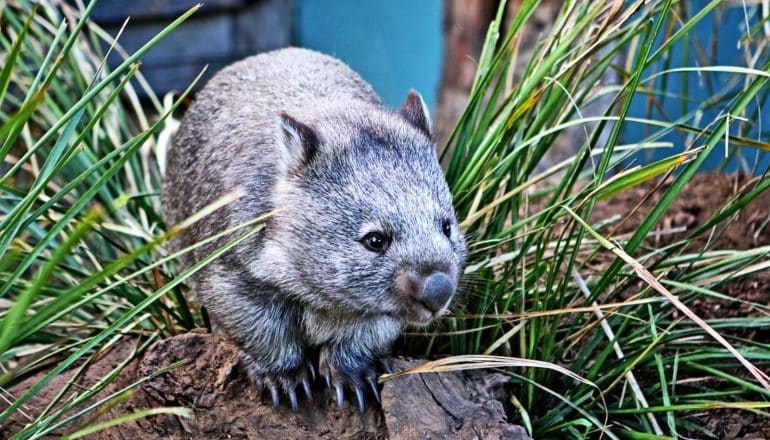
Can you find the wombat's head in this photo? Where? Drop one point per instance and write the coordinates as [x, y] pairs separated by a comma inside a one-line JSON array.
[[366, 222]]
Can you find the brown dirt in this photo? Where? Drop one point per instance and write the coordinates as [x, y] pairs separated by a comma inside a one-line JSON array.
[[700, 198], [738, 425], [704, 195], [226, 405]]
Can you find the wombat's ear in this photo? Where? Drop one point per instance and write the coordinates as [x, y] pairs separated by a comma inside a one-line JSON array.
[[298, 144], [415, 111]]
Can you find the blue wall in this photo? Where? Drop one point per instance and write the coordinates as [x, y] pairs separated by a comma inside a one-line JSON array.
[[395, 45], [716, 37]]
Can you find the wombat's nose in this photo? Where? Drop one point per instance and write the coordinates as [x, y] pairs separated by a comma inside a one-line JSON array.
[[436, 291]]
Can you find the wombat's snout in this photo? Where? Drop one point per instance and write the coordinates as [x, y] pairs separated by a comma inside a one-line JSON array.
[[427, 296], [436, 291]]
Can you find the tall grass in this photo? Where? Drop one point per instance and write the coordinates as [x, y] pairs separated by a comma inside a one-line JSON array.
[[627, 330], [81, 258], [615, 353]]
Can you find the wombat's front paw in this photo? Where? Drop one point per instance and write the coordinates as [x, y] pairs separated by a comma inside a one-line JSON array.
[[340, 369], [286, 380]]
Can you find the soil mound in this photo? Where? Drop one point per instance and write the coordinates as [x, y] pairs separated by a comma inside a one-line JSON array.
[[225, 405]]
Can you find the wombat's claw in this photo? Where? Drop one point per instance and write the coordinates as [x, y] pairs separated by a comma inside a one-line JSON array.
[[357, 378], [375, 389], [275, 395], [289, 387], [293, 400], [292, 394], [340, 395], [283, 383], [307, 389], [311, 369], [360, 399]]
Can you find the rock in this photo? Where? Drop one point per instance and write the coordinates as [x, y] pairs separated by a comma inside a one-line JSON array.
[[446, 405]]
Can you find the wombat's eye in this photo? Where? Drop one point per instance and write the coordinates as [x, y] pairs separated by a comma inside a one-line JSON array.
[[376, 242], [446, 228]]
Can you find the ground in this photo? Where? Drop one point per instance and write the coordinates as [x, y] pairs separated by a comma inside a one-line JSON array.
[[449, 405], [704, 195], [226, 405]]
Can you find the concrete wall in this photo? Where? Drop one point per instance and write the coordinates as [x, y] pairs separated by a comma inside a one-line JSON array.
[[396, 45], [220, 32]]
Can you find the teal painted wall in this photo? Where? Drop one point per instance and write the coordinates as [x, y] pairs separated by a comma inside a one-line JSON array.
[[395, 45], [717, 37]]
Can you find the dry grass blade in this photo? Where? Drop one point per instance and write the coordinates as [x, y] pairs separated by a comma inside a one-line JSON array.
[[472, 362], [653, 282], [630, 377], [593, 308]]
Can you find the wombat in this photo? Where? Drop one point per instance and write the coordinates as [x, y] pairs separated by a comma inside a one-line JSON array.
[[362, 239]]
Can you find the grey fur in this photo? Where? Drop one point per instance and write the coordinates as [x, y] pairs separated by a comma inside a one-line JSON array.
[[301, 132]]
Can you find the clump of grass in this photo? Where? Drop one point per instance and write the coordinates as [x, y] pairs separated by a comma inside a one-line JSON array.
[[81, 259], [532, 295], [615, 353]]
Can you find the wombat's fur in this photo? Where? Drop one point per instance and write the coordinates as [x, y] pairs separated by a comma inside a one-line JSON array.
[[304, 136]]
